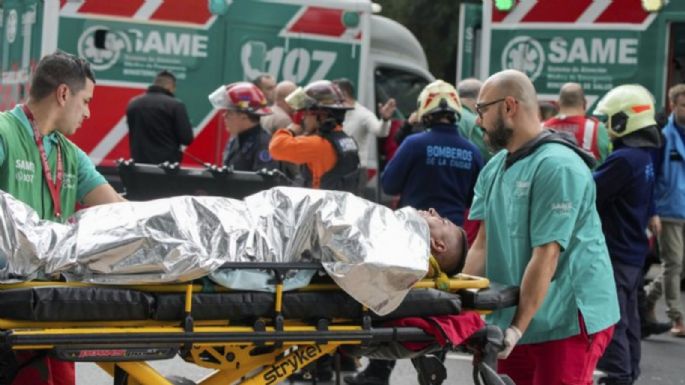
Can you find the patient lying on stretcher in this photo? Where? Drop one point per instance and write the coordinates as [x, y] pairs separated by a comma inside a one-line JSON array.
[[373, 253]]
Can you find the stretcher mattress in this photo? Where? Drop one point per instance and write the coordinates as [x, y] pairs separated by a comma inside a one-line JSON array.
[[93, 303]]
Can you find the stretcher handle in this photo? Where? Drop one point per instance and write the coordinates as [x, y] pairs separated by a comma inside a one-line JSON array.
[[402, 334]]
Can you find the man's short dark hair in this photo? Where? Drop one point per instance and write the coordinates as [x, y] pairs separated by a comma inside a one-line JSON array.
[[59, 68], [260, 79], [164, 77], [345, 86]]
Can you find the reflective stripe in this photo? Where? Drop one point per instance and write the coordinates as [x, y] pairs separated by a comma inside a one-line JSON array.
[[588, 134]]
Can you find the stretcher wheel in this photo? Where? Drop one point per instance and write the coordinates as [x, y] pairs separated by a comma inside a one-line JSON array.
[[430, 370]]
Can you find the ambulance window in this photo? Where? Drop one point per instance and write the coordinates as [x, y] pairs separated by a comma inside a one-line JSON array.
[[399, 84], [678, 47]]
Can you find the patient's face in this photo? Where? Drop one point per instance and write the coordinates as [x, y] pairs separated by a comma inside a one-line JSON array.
[[440, 228], [446, 240]]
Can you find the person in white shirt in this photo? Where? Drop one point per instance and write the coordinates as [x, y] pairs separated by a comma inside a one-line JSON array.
[[364, 126]]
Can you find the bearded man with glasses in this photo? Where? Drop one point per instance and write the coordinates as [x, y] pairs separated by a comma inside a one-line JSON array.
[[540, 231]]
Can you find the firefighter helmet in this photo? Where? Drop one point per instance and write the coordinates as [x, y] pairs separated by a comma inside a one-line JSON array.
[[438, 96], [626, 109], [240, 96], [317, 95]]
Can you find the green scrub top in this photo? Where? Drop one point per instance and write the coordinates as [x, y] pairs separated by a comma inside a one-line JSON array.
[[548, 196], [17, 141]]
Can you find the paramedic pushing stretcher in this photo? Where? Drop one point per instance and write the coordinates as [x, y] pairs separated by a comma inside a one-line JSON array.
[[44, 169], [540, 231]]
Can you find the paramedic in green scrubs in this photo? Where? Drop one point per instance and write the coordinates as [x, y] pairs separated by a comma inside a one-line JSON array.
[[540, 231], [44, 169]]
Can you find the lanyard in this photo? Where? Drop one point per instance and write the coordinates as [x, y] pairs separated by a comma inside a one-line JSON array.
[[55, 186]]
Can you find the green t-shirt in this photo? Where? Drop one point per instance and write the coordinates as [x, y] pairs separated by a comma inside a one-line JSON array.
[[21, 170], [471, 131], [548, 196]]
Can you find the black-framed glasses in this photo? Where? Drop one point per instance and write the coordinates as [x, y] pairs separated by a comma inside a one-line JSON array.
[[480, 107]]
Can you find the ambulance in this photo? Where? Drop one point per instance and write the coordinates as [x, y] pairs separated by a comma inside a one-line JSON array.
[[205, 44], [597, 43]]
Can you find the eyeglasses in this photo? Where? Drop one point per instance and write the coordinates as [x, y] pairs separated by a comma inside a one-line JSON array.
[[480, 107]]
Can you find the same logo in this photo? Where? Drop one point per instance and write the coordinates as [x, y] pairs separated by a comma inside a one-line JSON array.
[[103, 58], [525, 54]]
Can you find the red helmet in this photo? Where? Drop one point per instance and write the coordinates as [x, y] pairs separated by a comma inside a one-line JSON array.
[[240, 96]]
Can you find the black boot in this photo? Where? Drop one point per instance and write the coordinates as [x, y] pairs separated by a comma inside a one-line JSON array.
[[650, 327], [377, 373]]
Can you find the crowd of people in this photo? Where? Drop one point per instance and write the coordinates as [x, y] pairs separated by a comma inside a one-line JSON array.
[[562, 207]]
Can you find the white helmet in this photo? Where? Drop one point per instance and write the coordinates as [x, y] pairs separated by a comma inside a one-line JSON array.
[[437, 97], [626, 108]]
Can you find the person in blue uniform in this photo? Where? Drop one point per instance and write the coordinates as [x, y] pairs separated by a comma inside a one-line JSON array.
[[625, 202], [248, 147], [436, 168]]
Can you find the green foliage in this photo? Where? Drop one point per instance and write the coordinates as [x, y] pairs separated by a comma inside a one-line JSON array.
[[435, 23]]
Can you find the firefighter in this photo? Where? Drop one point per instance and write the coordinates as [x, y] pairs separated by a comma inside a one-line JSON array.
[[625, 203], [243, 104], [329, 156]]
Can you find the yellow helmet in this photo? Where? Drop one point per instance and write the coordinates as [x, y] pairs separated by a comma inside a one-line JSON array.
[[438, 96], [626, 108]]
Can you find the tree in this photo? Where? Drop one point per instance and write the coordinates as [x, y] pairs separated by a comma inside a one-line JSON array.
[[435, 23]]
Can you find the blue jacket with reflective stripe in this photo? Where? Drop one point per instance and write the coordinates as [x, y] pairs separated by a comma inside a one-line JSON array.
[[670, 182]]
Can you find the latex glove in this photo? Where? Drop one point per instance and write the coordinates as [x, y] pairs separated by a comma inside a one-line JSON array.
[[511, 337]]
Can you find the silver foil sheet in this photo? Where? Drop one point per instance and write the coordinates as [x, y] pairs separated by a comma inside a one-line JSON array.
[[373, 253]]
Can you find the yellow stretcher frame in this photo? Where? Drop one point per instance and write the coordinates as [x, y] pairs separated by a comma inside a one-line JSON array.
[[212, 344]]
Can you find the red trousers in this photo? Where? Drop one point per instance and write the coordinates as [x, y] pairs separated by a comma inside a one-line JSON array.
[[44, 371], [570, 361]]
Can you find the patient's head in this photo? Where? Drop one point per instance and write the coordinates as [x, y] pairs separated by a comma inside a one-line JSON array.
[[448, 242]]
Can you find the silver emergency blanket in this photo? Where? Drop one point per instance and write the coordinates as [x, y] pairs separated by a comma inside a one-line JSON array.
[[373, 253]]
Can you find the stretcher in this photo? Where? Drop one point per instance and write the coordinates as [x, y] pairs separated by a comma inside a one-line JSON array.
[[249, 338]]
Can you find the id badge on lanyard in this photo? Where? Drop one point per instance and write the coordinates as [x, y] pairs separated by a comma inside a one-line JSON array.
[[55, 186]]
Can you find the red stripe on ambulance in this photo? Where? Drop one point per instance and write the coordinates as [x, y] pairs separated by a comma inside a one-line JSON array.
[[555, 11], [182, 11], [562, 11], [109, 104], [320, 21], [623, 11], [111, 8]]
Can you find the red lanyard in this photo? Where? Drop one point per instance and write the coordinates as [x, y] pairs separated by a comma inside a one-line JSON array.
[[55, 186]]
